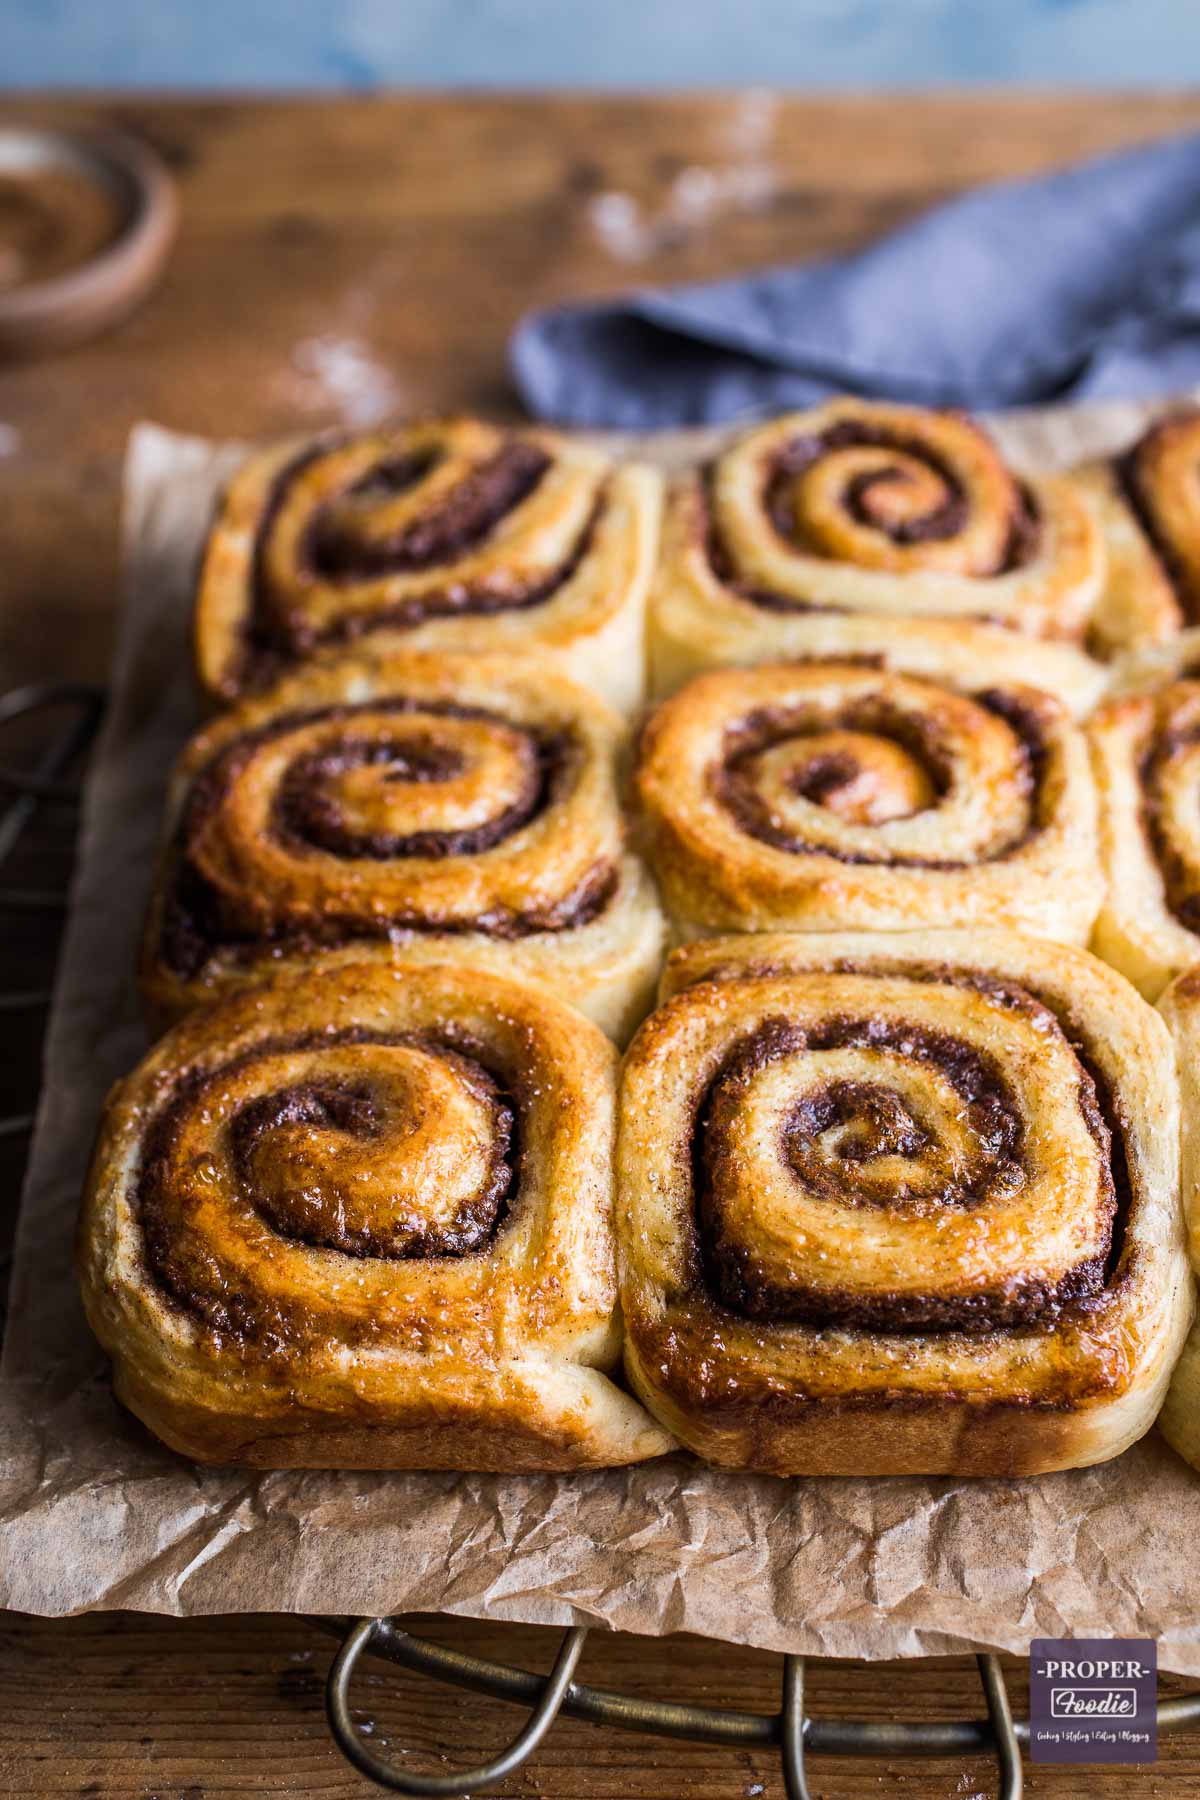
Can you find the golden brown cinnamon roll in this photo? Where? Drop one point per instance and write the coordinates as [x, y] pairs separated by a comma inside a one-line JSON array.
[[413, 805], [457, 534], [1148, 502], [900, 1204], [363, 1220], [1179, 1420], [824, 795], [864, 530], [1145, 744]]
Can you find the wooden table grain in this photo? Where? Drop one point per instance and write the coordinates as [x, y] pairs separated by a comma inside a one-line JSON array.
[[340, 261]]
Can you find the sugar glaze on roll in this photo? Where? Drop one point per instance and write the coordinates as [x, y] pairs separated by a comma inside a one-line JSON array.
[[449, 534], [823, 795], [363, 1219], [900, 1203], [859, 529], [405, 805]]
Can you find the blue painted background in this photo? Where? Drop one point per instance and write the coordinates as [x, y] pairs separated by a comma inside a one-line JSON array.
[[622, 43]]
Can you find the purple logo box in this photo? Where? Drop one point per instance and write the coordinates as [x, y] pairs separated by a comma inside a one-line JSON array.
[[1093, 1700]]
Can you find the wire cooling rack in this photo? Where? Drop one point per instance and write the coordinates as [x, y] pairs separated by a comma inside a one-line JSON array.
[[53, 781]]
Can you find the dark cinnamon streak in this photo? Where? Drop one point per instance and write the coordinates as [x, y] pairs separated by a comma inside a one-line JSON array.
[[188, 1269], [461, 521], [945, 520], [276, 634], [732, 780], [824, 776], [308, 811], [1180, 876], [1140, 498], [352, 1113], [878, 1122]]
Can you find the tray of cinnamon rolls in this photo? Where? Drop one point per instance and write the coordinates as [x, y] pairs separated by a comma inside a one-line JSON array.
[[698, 959]]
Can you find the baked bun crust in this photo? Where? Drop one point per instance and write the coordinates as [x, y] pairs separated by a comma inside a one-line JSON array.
[[1148, 502], [363, 1220], [900, 1204], [859, 529], [404, 804], [453, 534], [1179, 1420], [823, 795], [1145, 742]]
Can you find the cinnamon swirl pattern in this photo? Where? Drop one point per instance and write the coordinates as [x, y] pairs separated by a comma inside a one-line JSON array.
[[405, 805], [900, 1203], [457, 535], [363, 1220], [1148, 502], [817, 796], [1146, 756], [866, 530]]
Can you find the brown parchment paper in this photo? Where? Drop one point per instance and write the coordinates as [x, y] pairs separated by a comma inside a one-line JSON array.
[[94, 1513]]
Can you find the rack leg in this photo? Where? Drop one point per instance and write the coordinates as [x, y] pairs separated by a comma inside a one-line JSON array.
[[442, 1787], [791, 1721], [1008, 1751]]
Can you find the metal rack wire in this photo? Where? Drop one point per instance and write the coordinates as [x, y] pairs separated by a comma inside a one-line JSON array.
[[791, 1731]]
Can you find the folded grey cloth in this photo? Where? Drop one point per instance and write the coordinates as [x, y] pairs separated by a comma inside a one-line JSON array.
[[1083, 283]]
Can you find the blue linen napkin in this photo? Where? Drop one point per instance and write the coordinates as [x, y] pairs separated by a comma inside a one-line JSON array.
[[1082, 284]]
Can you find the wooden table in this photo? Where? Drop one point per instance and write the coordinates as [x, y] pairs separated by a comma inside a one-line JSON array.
[[339, 261]]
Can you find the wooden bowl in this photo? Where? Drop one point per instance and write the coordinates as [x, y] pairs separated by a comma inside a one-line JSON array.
[[125, 185]]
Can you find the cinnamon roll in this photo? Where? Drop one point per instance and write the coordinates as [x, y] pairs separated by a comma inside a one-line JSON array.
[[825, 795], [1145, 742], [405, 805], [457, 534], [1148, 502], [900, 1204], [1179, 1420], [865, 530], [363, 1220]]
